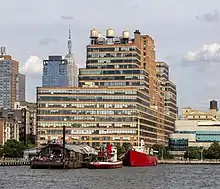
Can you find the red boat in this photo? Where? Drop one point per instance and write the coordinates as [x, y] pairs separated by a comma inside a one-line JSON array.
[[107, 159], [139, 157], [105, 165]]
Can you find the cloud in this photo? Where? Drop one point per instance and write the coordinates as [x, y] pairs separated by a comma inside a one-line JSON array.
[[47, 41], [207, 53], [67, 17], [136, 6], [209, 17], [33, 66]]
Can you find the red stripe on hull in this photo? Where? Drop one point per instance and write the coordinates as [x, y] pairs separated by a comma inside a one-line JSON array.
[[104, 166], [138, 159]]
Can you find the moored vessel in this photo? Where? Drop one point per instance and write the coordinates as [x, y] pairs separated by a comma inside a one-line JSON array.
[[107, 159], [139, 156]]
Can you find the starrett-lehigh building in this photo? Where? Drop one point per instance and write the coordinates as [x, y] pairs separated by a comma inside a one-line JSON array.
[[120, 98]]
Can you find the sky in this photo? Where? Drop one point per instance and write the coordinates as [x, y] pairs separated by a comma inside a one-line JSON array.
[[186, 34]]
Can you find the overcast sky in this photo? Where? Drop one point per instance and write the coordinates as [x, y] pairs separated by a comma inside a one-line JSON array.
[[186, 33]]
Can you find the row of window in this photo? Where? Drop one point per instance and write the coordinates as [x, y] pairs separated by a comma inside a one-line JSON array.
[[125, 83], [112, 72], [86, 112], [130, 60], [89, 98], [117, 91], [102, 77], [108, 66], [87, 118], [79, 125], [110, 55], [110, 49], [87, 132], [70, 105]]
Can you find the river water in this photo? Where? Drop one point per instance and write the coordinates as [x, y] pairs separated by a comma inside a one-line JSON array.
[[159, 177]]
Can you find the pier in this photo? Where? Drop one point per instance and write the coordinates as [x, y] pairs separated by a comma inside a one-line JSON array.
[[13, 162], [187, 162]]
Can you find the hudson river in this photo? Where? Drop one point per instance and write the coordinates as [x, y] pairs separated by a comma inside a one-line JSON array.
[[159, 177]]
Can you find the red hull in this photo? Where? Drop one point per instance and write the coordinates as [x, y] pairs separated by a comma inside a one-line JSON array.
[[105, 165], [139, 159]]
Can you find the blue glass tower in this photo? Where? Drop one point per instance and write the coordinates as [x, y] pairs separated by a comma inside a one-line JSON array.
[[55, 72]]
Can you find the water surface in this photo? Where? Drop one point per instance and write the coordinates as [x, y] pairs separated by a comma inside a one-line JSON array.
[[159, 177]]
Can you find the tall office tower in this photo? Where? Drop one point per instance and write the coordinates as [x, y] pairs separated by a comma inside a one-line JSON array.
[[72, 69], [55, 72], [9, 81], [170, 95], [119, 99]]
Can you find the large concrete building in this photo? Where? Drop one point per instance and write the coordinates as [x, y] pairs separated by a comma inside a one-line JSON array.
[[196, 128], [12, 83], [119, 98]]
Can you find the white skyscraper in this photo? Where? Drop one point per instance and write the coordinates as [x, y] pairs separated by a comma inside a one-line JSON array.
[[72, 69]]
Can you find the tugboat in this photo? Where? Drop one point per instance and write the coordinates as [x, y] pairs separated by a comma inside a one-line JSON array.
[[108, 159]]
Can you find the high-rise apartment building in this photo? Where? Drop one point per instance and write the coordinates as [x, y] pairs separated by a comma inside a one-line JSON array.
[[21, 87], [170, 96], [12, 83], [72, 70], [119, 98], [55, 72]]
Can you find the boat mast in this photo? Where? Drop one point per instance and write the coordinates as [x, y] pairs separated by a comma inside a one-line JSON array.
[[138, 128]]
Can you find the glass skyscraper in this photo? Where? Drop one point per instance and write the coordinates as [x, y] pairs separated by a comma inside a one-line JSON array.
[[55, 72]]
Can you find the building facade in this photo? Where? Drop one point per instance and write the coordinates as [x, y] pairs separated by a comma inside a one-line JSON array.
[[72, 70], [119, 98], [11, 82], [170, 96], [26, 112], [55, 72], [196, 128], [9, 129], [194, 133]]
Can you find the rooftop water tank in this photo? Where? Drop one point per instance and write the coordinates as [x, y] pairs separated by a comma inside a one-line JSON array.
[[93, 33], [125, 34], [110, 33]]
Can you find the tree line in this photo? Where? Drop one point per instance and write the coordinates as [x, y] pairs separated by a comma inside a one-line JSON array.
[[14, 149], [213, 152]]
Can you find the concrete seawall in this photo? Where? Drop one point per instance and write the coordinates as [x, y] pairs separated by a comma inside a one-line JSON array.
[[189, 162]]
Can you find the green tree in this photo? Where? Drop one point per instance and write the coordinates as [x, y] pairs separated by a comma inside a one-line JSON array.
[[13, 148], [213, 151], [193, 153], [126, 146], [163, 151], [120, 150]]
